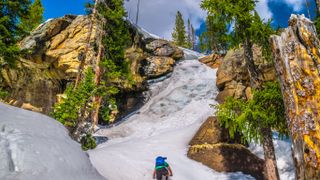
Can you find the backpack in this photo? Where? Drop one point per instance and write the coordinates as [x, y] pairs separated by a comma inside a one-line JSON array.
[[160, 161]]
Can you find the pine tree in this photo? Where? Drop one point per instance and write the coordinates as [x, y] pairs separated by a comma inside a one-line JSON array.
[[248, 30], [179, 32], [113, 62], [318, 7], [10, 13], [34, 17], [266, 108], [193, 37], [317, 19], [189, 37], [98, 86], [215, 38]]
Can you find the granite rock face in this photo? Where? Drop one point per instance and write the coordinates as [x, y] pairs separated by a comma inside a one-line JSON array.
[[233, 77], [52, 62], [55, 50]]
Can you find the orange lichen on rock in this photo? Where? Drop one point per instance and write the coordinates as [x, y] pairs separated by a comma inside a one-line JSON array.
[[297, 64]]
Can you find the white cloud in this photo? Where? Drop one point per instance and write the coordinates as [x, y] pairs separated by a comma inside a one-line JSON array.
[[158, 16], [297, 5], [263, 9]]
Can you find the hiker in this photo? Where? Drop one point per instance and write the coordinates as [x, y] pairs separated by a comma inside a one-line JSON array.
[[161, 169]]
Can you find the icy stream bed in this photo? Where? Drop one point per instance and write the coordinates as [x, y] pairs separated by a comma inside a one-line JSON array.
[[163, 126]]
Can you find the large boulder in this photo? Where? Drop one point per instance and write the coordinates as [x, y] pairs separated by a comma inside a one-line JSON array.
[[213, 146], [225, 157], [233, 78], [211, 132], [160, 47], [156, 66], [213, 60]]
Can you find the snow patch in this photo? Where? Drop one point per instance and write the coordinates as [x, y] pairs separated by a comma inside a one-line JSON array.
[[190, 54], [283, 154], [34, 146]]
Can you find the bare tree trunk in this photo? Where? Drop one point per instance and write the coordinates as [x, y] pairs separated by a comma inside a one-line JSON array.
[[269, 156], [296, 54], [97, 99], [82, 57], [255, 81], [271, 171]]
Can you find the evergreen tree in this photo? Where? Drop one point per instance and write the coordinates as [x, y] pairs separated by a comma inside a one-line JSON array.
[[189, 37], [113, 63], [11, 11], [248, 30], [94, 94], [317, 19], [179, 32], [75, 101], [318, 7], [34, 17], [266, 108], [193, 37], [215, 38]]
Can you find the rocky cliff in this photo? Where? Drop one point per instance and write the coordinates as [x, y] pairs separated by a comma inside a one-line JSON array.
[[53, 53]]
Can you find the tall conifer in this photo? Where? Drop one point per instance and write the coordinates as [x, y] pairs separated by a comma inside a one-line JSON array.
[[34, 17], [179, 32], [189, 37], [248, 30], [215, 38], [11, 11]]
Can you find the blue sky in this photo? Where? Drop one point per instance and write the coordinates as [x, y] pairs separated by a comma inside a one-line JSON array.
[[58, 8], [282, 11], [157, 16]]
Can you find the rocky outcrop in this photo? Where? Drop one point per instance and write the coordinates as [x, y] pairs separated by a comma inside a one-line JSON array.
[[214, 60], [51, 63], [213, 147], [55, 50], [233, 77], [155, 66], [160, 57], [160, 47], [211, 132], [297, 60], [224, 157]]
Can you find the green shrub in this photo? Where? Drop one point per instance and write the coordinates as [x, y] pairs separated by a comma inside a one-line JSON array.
[[3, 94], [266, 109], [88, 142], [69, 109]]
